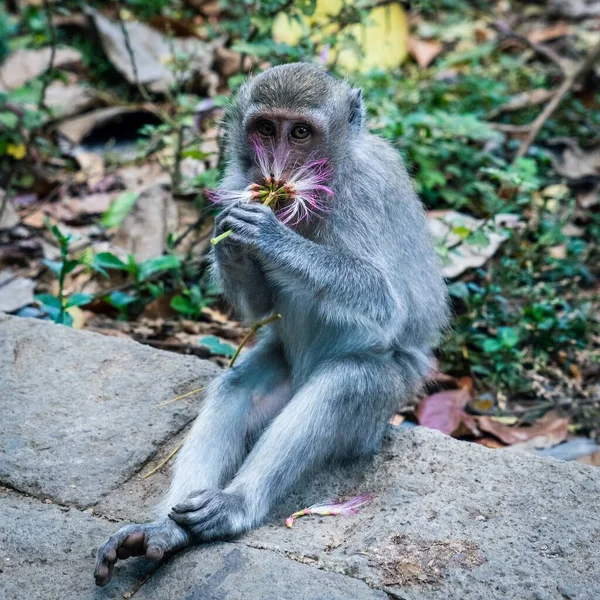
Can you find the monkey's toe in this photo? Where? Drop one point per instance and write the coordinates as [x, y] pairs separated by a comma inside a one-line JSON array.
[[153, 540], [211, 514]]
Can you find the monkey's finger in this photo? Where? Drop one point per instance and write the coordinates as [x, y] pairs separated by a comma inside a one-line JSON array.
[[245, 216], [105, 561], [193, 517], [195, 503]]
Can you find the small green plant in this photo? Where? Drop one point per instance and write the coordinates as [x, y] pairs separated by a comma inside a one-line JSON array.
[[57, 306]]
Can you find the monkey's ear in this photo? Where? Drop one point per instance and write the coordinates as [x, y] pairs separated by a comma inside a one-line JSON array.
[[357, 109]]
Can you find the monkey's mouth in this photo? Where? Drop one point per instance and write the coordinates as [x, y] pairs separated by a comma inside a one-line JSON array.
[[273, 192]]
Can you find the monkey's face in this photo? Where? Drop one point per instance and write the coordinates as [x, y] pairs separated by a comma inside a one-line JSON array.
[[295, 138]]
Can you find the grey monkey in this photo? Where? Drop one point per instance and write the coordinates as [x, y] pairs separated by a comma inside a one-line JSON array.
[[362, 301]]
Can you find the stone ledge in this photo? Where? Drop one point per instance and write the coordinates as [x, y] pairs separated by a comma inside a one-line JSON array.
[[449, 520]]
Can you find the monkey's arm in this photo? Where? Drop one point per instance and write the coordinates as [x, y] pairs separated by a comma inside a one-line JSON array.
[[346, 286]]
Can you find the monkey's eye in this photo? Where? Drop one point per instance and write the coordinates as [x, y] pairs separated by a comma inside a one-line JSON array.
[[265, 128], [300, 131]]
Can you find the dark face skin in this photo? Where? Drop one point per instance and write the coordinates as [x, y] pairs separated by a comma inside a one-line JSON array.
[[287, 134]]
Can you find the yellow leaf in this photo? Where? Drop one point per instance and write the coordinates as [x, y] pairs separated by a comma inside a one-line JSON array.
[[17, 151], [78, 315], [288, 31], [382, 41]]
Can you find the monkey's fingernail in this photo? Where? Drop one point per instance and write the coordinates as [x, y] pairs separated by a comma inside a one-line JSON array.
[[154, 552], [111, 555]]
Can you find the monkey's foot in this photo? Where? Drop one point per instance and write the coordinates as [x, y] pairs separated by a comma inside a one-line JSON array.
[[154, 540], [211, 514]]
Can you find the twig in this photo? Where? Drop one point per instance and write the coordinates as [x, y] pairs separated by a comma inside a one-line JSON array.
[[253, 329], [165, 460], [582, 68], [177, 165], [197, 390], [195, 225], [142, 90], [48, 73], [540, 49]]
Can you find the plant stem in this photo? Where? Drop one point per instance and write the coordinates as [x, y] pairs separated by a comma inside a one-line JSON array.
[[253, 329], [214, 241]]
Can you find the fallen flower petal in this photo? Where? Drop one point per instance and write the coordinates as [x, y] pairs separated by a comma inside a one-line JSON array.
[[332, 508]]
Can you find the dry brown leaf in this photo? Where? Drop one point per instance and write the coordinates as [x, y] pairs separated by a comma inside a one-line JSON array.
[[550, 425], [589, 198], [24, 65], [462, 254], [92, 167], [67, 100], [92, 204], [524, 100], [574, 162], [9, 216], [154, 53], [443, 411], [490, 442], [144, 231], [558, 30], [423, 51], [559, 252]]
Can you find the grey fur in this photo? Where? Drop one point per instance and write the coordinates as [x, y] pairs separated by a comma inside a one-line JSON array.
[[362, 301]]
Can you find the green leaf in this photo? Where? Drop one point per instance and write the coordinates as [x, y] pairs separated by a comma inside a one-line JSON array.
[[184, 305], [54, 265], [78, 299], [196, 154], [69, 265], [108, 260], [458, 290], [155, 265], [508, 337], [48, 300], [63, 239], [64, 319], [216, 346], [119, 209], [491, 346], [9, 120], [119, 299]]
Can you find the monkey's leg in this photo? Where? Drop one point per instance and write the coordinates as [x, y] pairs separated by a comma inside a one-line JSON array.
[[340, 412], [237, 404]]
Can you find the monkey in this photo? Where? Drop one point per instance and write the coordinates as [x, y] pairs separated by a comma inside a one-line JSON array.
[[362, 303]]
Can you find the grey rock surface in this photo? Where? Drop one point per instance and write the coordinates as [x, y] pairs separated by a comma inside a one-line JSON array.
[[449, 520], [236, 572], [79, 410], [47, 552]]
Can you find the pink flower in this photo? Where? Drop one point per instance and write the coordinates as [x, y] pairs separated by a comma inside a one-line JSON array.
[[332, 508], [295, 199]]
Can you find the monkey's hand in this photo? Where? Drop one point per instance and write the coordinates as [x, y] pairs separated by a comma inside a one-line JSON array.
[[211, 514], [253, 225], [154, 540]]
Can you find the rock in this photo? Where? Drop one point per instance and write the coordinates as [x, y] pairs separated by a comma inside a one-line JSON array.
[[449, 520], [79, 410], [15, 292], [47, 553], [235, 572], [453, 520]]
